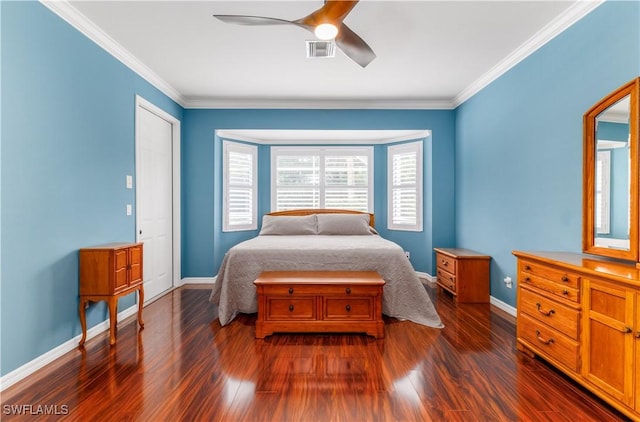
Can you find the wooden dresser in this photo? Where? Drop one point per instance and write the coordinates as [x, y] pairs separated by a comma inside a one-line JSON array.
[[319, 301], [108, 272], [463, 273], [581, 313]]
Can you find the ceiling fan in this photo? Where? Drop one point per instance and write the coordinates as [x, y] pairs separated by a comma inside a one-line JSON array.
[[326, 23]]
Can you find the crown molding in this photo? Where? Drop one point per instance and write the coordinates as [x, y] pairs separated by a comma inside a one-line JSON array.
[[573, 14], [319, 103], [73, 17]]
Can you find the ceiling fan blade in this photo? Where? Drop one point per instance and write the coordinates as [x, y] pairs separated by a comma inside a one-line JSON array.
[[354, 46], [331, 12], [252, 20]]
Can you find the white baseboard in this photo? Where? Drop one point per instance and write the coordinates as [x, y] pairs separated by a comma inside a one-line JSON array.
[[427, 279], [503, 306], [431, 281], [199, 280], [30, 367]]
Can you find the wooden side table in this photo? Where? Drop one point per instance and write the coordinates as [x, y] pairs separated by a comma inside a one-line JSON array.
[[463, 273], [108, 272]]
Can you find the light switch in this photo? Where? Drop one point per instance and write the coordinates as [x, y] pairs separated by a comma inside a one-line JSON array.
[[129, 182], [128, 209]]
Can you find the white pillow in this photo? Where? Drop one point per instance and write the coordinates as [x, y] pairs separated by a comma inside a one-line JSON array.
[[344, 224], [288, 225]]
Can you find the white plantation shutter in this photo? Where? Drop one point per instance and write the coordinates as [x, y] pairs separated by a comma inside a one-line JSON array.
[[312, 177], [405, 186], [297, 182], [346, 182], [239, 190]]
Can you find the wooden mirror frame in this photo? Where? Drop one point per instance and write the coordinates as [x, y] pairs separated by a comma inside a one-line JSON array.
[[631, 89]]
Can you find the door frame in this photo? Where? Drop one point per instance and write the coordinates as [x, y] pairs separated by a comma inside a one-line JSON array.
[[141, 103]]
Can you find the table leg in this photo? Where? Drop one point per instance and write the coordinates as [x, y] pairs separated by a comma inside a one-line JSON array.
[[113, 319], [83, 320], [140, 303]]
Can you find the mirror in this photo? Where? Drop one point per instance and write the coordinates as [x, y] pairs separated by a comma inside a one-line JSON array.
[[610, 185]]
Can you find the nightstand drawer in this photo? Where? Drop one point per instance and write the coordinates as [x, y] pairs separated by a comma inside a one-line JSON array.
[[446, 280], [446, 263]]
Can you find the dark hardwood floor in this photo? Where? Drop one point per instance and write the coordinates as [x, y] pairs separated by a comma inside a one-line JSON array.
[[184, 366]]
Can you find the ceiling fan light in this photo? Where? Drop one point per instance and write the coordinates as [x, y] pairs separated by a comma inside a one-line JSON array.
[[326, 31]]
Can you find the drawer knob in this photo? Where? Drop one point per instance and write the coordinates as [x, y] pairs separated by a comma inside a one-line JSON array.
[[290, 290], [545, 313], [627, 330], [290, 308], [638, 334], [348, 308], [348, 290], [565, 292], [527, 268], [527, 280], [565, 278], [542, 340], [445, 263]]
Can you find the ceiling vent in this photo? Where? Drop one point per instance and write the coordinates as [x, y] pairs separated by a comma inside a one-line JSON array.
[[320, 49]]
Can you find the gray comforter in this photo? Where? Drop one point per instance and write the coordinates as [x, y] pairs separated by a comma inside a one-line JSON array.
[[404, 297]]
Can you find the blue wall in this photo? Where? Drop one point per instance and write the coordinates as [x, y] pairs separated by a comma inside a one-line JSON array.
[[204, 243], [519, 141], [67, 144]]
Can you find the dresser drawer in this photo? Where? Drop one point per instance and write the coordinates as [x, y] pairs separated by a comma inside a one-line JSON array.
[[446, 263], [564, 278], [446, 280], [566, 292], [548, 341], [550, 312], [290, 308], [348, 308]]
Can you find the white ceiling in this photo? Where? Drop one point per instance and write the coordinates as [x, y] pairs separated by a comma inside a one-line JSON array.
[[430, 54]]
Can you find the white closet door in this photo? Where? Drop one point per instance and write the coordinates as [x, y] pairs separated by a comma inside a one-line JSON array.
[[154, 206]]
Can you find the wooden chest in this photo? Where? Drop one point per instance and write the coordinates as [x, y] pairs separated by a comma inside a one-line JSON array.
[[320, 301]]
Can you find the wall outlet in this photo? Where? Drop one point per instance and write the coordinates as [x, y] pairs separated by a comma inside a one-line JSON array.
[[508, 282], [408, 254]]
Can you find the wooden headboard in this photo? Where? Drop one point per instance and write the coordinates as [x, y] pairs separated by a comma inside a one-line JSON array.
[[309, 211]]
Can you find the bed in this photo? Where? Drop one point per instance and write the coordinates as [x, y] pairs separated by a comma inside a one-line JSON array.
[[316, 240]]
